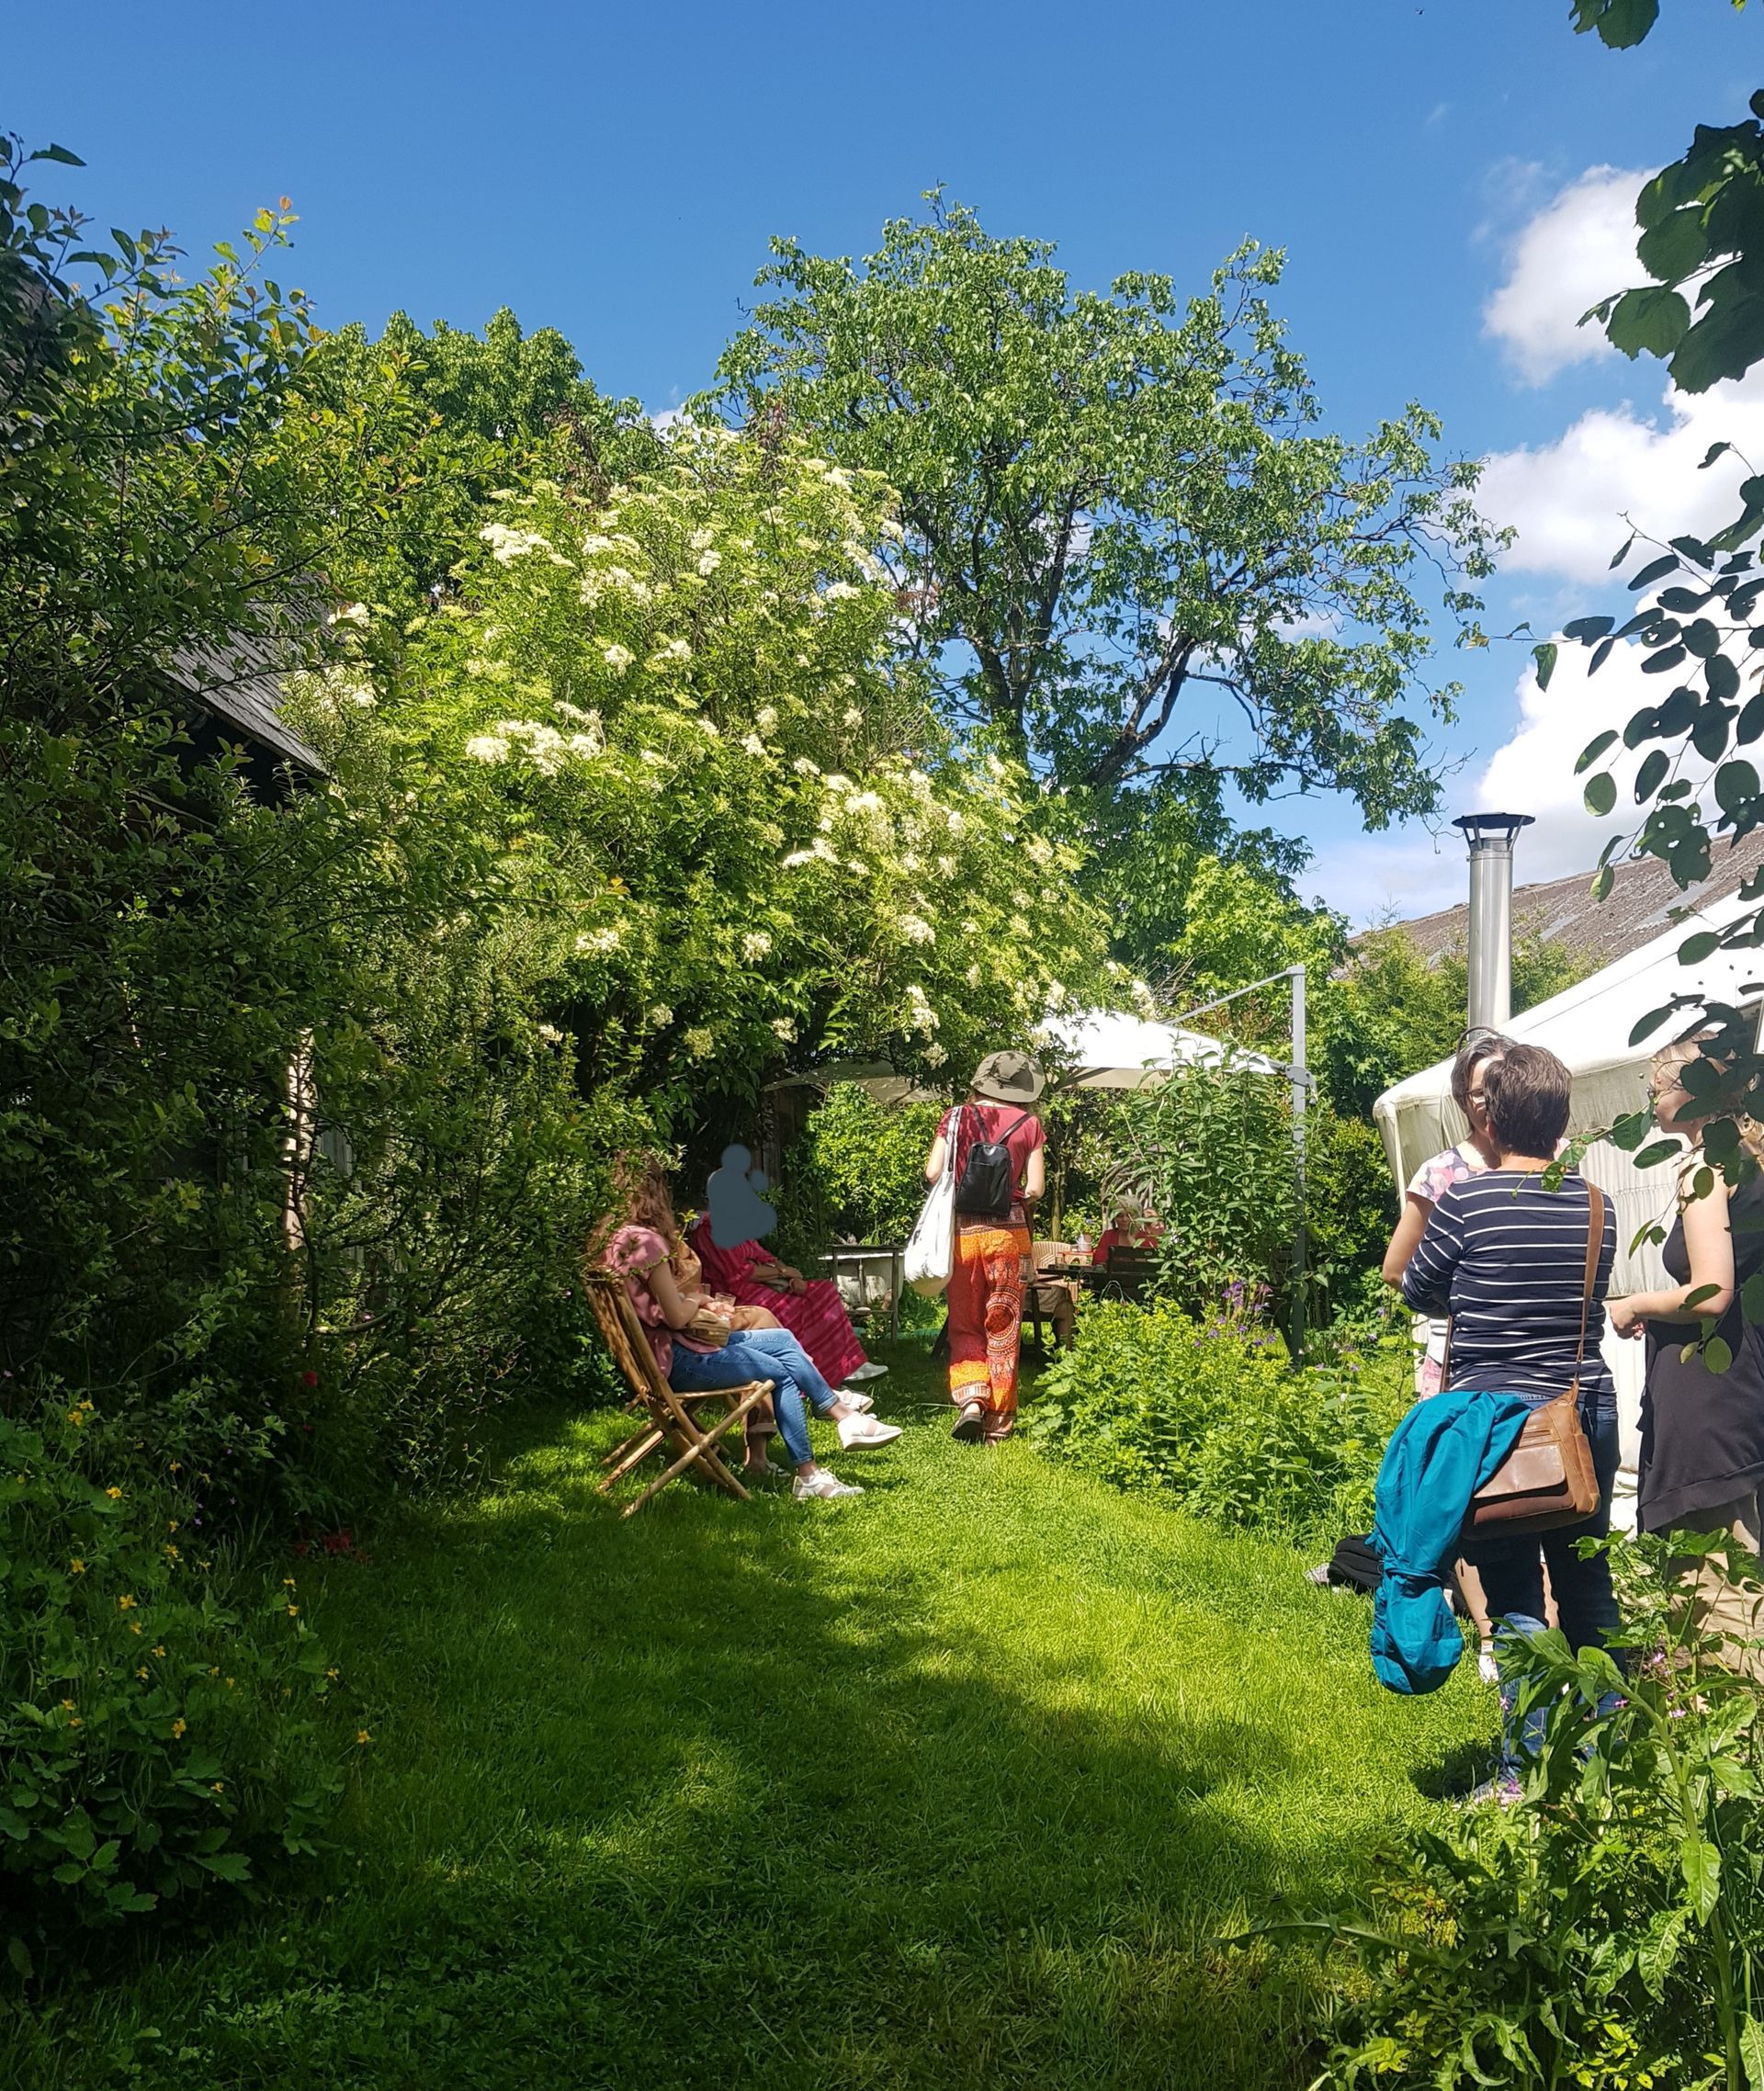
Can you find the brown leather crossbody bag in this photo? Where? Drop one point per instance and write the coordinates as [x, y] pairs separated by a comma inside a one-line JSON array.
[[1548, 1479]]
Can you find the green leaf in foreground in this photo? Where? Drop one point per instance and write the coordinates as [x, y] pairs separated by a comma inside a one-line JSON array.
[[1600, 794], [1652, 320], [1699, 1863], [1620, 25], [1594, 748]]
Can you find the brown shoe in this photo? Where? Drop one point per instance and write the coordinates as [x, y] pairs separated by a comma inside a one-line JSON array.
[[970, 1425]]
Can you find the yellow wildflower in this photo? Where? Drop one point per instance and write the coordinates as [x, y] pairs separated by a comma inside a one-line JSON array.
[[68, 1705], [363, 1736], [178, 1727], [293, 1611], [125, 1604], [170, 1552], [333, 1675], [134, 1626], [115, 1495], [73, 1720], [218, 1787], [76, 1567], [142, 1673], [159, 1648]]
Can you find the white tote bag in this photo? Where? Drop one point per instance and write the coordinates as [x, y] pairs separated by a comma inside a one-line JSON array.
[[932, 1249]]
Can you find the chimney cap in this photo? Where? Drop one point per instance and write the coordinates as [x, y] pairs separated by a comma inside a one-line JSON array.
[[1487, 827]]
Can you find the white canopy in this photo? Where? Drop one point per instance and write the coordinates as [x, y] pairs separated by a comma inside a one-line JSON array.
[[1114, 1050], [1588, 1026]]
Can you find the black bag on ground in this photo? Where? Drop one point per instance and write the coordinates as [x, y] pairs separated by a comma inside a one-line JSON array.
[[986, 1187], [1356, 1563]]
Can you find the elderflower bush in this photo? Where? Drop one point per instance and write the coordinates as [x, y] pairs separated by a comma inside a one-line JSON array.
[[679, 715]]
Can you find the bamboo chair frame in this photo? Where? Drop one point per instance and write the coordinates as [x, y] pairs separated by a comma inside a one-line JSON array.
[[669, 1418]]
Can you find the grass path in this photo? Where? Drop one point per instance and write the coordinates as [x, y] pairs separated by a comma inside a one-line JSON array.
[[953, 1785]]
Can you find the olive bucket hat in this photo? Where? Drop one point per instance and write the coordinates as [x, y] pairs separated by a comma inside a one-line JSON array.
[[1008, 1078]]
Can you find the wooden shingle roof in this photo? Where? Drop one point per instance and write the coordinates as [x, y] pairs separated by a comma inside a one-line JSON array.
[[238, 684]]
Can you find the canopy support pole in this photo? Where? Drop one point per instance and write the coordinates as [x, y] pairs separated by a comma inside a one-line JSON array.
[[1301, 1106], [1299, 1075]]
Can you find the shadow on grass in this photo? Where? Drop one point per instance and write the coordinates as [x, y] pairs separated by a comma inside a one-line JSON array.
[[707, 1798]]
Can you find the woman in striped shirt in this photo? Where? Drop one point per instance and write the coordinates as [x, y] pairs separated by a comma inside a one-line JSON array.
[[1506, 1258]]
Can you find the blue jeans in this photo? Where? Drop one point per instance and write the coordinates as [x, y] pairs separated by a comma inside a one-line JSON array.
[[761, 1354], [1513, 1583]]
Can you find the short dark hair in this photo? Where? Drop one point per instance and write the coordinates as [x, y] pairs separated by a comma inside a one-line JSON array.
[[1526, 1094], [1476, 1049]]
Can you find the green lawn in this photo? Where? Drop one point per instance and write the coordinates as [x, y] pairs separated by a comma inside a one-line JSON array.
[[953, 1784]]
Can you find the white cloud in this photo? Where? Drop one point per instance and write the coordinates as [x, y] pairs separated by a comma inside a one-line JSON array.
[[1567, 498], [1378, 878], [1577, 250], [1530, 772]]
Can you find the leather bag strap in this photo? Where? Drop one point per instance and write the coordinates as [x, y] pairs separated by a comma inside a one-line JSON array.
[[1595, 1242]]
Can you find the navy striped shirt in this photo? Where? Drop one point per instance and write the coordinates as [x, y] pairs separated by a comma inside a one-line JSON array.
[[1506, 1258]]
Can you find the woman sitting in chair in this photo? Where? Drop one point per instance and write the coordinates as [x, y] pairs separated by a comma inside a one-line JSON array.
[[1131, 1228], [701, 1341], [810, 1308]]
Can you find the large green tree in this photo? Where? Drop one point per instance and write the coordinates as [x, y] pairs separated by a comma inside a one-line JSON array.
[[1123, 522], [481, 412]]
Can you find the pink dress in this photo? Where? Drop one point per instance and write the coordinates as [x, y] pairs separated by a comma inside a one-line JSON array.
[[815, 1316], [634, 1252]]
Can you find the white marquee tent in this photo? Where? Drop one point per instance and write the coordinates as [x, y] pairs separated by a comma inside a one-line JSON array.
[[1588, 1026], [1114, 1050]]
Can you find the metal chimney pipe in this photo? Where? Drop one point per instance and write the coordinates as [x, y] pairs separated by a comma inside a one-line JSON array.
[[1490, 837]]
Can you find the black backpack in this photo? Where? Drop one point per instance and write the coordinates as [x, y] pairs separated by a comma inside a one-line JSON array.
[[986, 1185]]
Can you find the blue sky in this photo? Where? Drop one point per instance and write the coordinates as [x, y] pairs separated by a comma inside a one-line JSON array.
[[616, 173]]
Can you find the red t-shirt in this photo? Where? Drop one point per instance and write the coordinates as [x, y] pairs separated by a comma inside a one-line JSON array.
[[989, 1122], [1147, 1235]]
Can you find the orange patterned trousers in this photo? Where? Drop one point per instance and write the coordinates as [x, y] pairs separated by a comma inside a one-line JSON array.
[[986, 1321]]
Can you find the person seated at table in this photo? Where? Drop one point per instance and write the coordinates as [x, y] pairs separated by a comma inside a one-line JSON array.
[[1048, 1294], [1131, 1227], [810, 1308], [697, 1347]]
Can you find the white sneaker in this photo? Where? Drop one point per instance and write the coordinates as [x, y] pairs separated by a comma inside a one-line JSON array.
[[856, 1400], [864, 1433], [871, 1370], [823, 1485]]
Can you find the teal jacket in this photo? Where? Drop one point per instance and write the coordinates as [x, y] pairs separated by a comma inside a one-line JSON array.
[[1439, 1456]]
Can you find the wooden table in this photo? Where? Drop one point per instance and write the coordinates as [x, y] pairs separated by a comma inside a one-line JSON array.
[[857, 1254]]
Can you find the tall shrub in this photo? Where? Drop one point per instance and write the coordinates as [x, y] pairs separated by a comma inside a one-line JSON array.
[[1210, 1151]]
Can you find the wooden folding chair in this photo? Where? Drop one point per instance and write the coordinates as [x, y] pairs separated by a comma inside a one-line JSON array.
[[669, 1418]]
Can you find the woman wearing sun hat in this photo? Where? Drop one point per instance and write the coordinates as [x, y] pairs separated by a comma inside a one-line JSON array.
[[985, 1295]]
